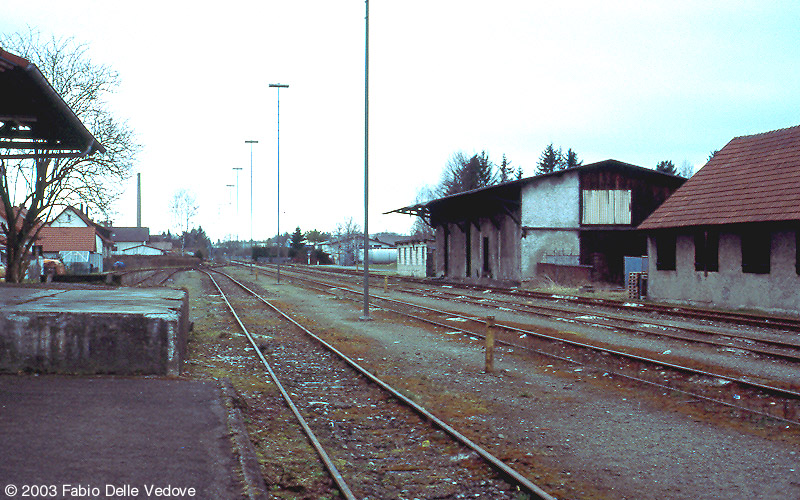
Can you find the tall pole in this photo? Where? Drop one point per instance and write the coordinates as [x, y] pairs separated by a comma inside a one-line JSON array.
[[237, 169], [139, 200], [251, 188], [230, 199], [365, 316], [279, 86]]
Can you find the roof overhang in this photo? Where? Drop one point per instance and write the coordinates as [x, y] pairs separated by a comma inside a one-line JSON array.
[[35, 122]]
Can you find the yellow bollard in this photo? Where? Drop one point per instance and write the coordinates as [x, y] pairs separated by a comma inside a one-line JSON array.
[[385, 283]]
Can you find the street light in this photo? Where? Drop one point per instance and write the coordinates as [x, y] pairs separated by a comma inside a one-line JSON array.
[[365, 316], [251, 188], [279, 86], [237, 169], [230, 196]]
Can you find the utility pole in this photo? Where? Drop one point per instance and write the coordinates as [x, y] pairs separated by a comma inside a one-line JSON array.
[[279, 86], [365, 316], [251, 188]]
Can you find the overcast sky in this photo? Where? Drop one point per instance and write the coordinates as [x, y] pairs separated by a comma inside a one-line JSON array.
[[635, 81]]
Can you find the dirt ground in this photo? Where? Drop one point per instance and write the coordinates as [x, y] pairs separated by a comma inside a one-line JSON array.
[[577, 434]]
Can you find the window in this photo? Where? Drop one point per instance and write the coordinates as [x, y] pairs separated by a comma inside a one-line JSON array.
[[706, 251], [756, 250], [665, 251], [606, 206]]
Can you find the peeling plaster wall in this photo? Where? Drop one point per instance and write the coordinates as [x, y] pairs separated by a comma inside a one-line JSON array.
[[778, 291], [551, 214]]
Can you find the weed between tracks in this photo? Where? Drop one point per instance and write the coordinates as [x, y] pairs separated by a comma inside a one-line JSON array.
[[217, 350]]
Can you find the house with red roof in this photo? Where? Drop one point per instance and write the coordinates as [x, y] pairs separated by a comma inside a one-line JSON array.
[[77, 241], [730, 236]]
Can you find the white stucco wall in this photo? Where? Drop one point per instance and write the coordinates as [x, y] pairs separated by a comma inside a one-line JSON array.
[[67, 218], [778, 291], [412, 259], [552, 202], [123, 247], [551, 214]]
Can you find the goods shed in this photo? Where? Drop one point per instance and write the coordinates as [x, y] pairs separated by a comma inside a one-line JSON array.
[[572, 225]]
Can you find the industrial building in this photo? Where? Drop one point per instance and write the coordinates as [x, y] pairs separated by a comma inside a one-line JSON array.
[[573, 225], [730, 237]]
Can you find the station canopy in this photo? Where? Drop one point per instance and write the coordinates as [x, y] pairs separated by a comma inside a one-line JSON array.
[[35, 122]]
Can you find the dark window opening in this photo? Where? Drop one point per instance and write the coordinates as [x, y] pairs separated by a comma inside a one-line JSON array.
[[486, 267], [706, 251], [665, 251], [446, 253], [756, 250], [797, 251], [468, 238]]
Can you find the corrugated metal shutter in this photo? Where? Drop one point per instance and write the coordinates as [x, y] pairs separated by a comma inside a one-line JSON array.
[[606, 207]]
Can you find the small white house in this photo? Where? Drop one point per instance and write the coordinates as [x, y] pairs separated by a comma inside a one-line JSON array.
[[412, 257], [141, 250], [126, 238]]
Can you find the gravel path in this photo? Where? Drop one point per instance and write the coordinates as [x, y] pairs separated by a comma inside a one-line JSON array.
[[587, 441]]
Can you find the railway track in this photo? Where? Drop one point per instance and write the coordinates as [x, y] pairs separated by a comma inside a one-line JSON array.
[[772, 341], [773, 345], [767, 399], [149, 277], [375, 442], [766, 321]]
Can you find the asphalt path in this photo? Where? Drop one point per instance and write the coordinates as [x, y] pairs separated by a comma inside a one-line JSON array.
[[105, 437]]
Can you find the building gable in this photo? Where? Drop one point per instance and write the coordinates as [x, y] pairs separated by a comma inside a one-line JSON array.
[[754, 178]]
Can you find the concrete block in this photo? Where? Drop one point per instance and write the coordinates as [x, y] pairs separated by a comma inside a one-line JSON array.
[[122, 331]]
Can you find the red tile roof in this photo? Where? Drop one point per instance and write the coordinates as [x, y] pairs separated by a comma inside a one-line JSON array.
[[57, 239], [754, 178]]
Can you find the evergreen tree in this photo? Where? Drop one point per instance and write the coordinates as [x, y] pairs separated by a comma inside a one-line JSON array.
[[571, 159], [550, 160], [484, 170], [506, 170], [667, 167], [297, 245], [465, 174]]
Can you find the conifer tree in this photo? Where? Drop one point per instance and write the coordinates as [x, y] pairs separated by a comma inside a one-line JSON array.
[[550, 160]]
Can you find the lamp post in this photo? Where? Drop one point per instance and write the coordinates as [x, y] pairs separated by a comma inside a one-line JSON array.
[[365, 315], [251, 142], [279, 86], [230, 200], [237, 169]]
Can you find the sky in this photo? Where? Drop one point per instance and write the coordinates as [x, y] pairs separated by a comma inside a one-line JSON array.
[[635, 81]]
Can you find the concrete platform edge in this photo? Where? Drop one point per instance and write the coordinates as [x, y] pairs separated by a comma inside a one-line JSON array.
[[251, 470]]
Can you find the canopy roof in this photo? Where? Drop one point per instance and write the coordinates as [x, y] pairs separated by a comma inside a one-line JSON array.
[[34, 120]]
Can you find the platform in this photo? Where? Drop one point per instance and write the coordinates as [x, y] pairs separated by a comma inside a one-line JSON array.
[[90, 330], [115, 438]]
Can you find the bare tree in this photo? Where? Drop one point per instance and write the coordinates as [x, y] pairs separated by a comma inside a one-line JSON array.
[[686, 170], [420, 228], [183, 207], [347, 235], [31, 190]]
